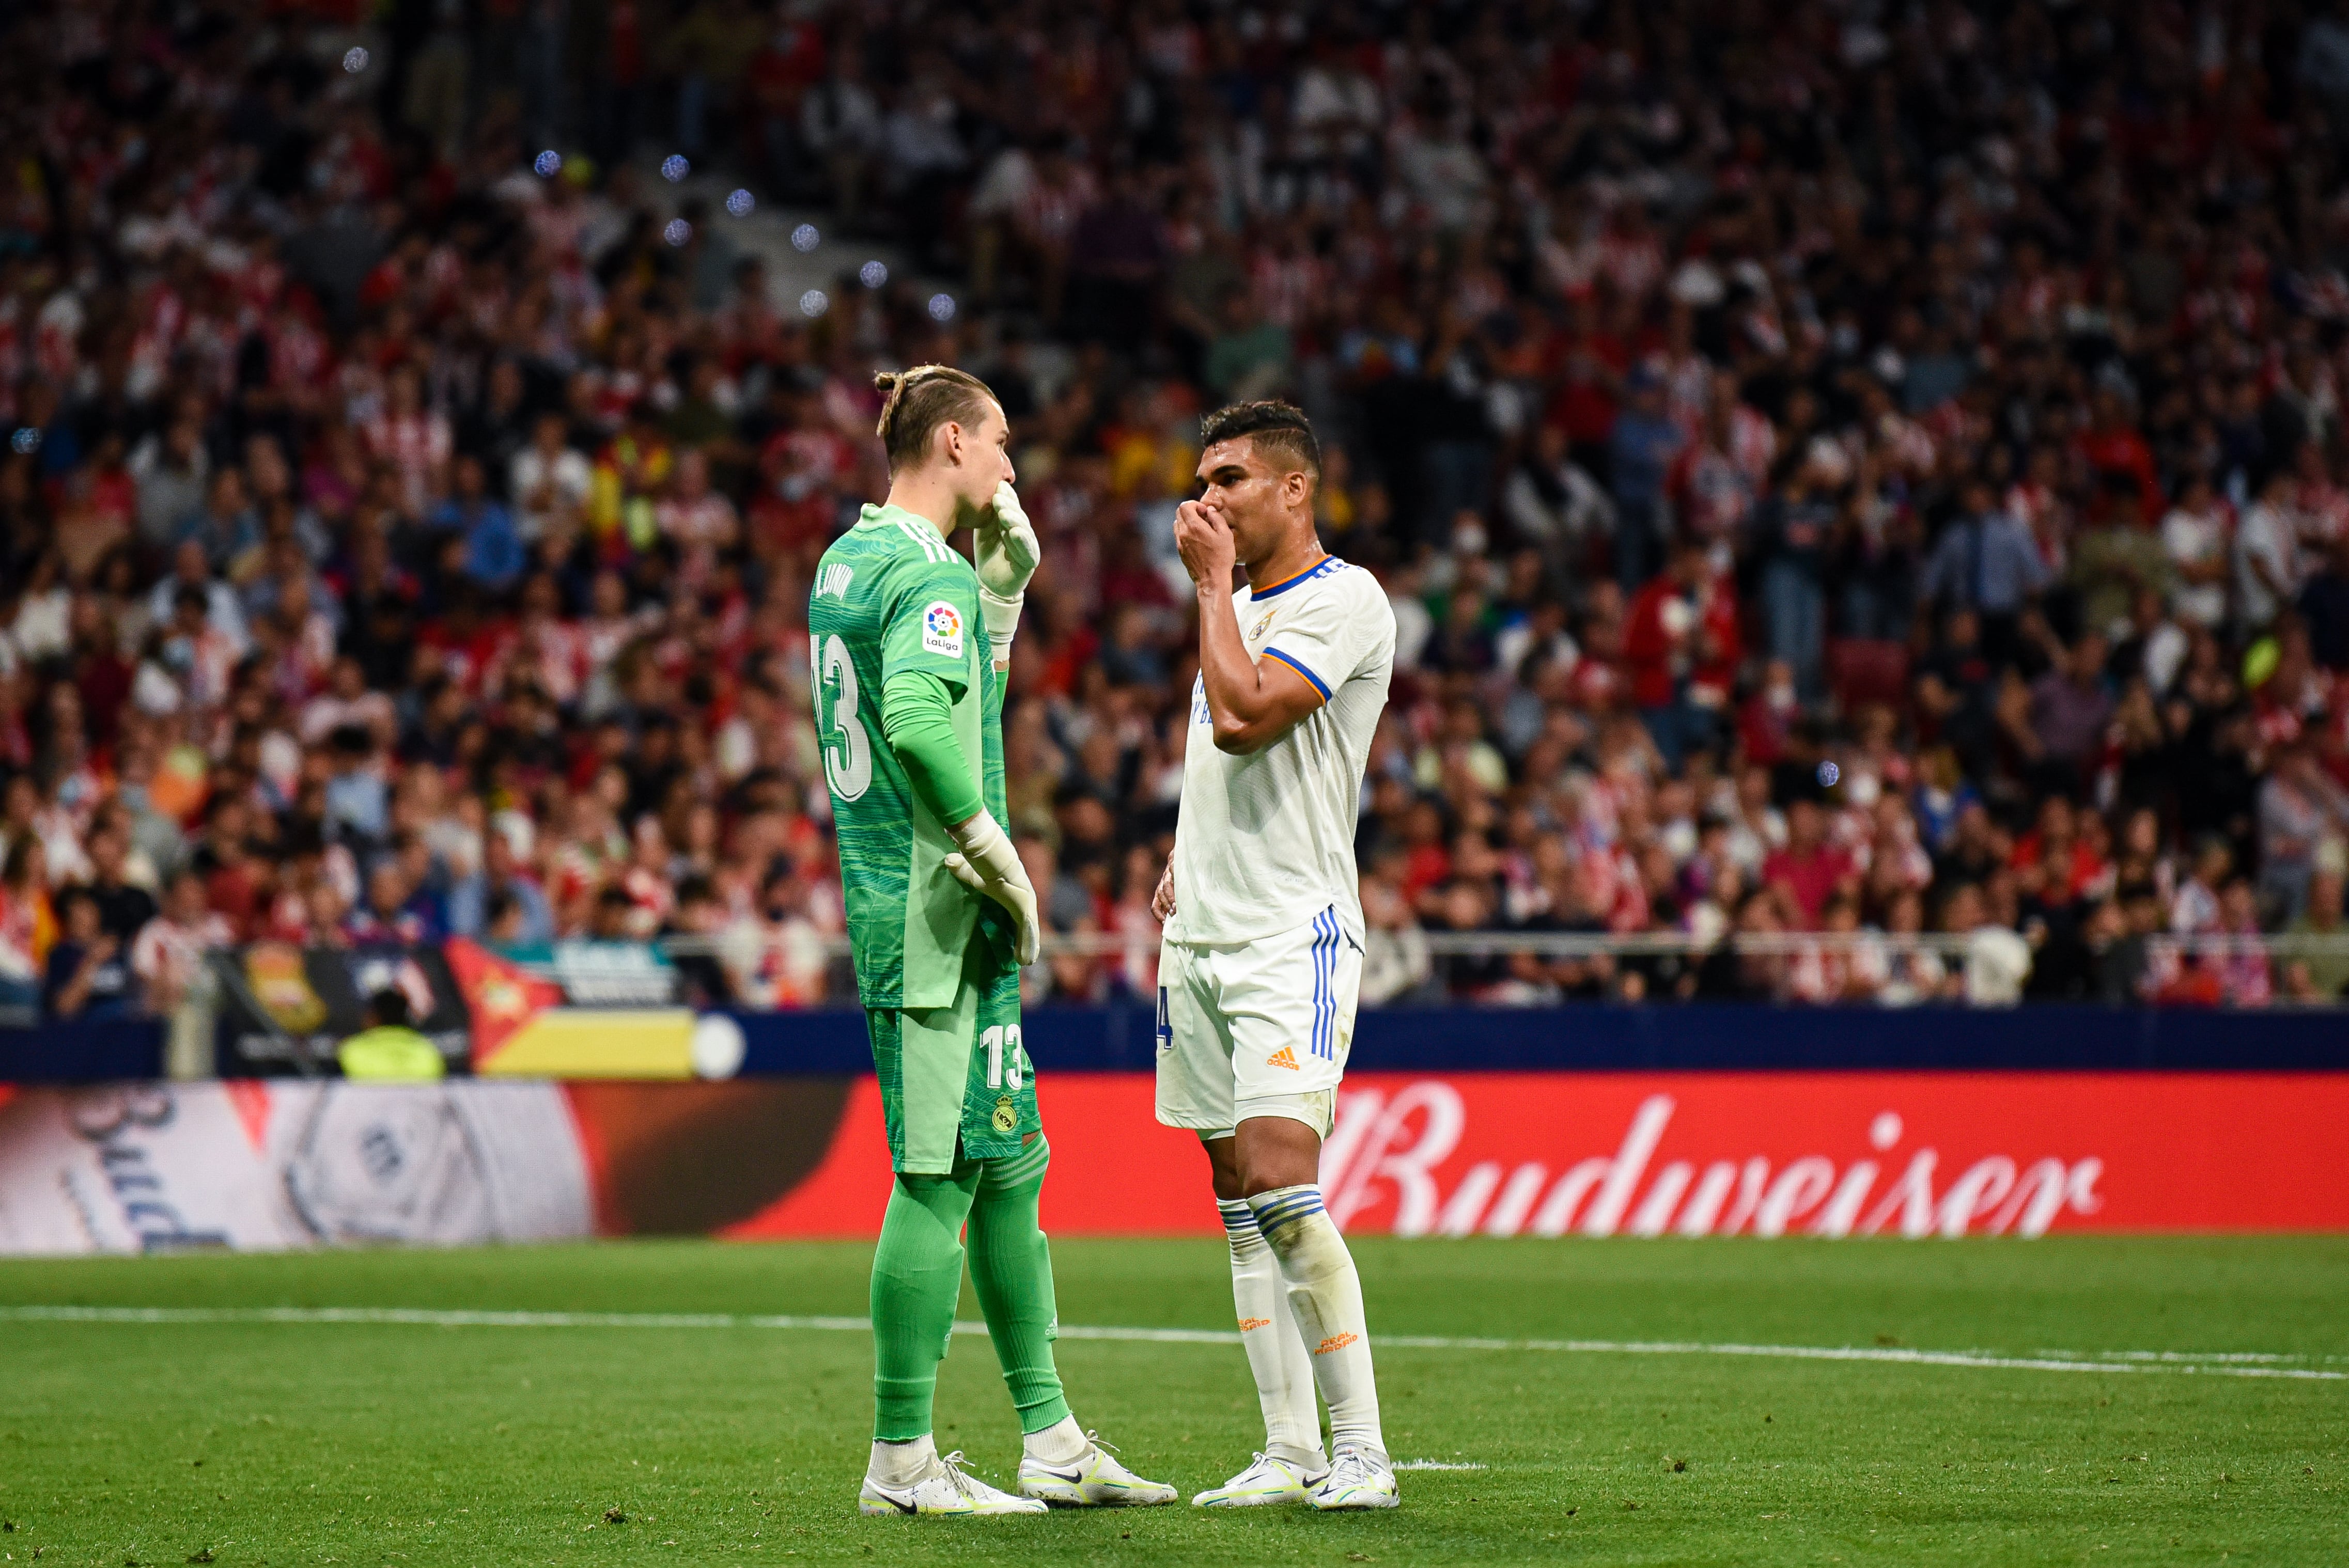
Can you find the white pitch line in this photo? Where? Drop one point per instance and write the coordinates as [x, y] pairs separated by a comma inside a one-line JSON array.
[[2110, 1361], [2212, 1357]]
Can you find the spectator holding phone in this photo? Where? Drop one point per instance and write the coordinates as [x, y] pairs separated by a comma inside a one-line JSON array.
[[89, 974]]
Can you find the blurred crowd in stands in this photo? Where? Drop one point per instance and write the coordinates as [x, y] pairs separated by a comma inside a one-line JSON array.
[[1838, 468]]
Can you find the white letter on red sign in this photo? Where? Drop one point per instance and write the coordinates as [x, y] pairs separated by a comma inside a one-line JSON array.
[[1912, 1198], [1656, 1209], [1976, 1194], [1711, 1192], [1613, 1179], [1837, 1218], [1517, 1200], [1466, 1204], [1794, 1193], [1409, 1169]]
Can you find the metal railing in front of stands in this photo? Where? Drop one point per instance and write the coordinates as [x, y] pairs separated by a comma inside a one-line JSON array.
[[1990, 967], [1571, 944]]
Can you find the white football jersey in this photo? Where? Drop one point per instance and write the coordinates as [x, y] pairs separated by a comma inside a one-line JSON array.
[[1265, 842]]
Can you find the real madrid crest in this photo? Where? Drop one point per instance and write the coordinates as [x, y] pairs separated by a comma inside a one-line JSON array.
[[1007, 1115]]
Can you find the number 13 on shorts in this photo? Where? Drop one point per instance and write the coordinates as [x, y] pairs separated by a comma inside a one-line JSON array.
[[1007, 1058]]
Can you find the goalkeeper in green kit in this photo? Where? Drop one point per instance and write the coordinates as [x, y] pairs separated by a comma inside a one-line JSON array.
[[909, 646]]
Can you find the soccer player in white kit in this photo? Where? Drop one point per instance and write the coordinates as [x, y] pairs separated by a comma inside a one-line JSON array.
[[1263, 956]]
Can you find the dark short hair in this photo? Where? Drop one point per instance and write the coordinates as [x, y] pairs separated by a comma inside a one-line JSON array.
[[388, 1008], [1278, 430], [916, 402]]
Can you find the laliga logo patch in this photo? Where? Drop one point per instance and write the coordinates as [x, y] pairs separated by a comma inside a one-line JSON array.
[[942, 630]]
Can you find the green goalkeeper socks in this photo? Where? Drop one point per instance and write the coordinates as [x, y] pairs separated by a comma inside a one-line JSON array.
[[917, 1281], [1011, 1269]]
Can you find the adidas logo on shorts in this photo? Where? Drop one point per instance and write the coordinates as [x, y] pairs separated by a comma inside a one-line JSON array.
[[1284, 1057]]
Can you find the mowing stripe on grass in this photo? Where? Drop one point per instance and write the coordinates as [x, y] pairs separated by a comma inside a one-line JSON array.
[[2217, 1364]]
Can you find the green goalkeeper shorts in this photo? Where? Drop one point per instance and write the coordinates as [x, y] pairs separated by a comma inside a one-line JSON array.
[[956, 1081]]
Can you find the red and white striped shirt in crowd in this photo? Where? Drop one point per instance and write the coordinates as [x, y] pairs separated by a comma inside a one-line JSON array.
[[2041, 511], [1285, 288], [1634, 264], [417, 446]]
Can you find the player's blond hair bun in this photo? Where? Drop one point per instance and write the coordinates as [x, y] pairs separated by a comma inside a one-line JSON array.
[[916, 402]]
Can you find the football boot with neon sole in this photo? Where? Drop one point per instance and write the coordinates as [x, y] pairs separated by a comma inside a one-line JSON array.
[[1096, 1480], [1266, 1480], [1357, 1478], [947, 1489]]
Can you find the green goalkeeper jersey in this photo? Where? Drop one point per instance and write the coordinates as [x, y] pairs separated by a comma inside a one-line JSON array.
[[890, 596]]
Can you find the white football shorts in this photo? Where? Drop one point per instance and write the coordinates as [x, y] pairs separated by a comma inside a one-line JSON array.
[[1257, 1028]]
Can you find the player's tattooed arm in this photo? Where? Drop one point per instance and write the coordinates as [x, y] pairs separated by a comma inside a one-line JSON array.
[[1254, 702]]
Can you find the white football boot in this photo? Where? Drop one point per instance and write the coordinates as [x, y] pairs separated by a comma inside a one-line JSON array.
[[1266, 1480], [946, 1487], [1096, 1480], [1357, 1478]]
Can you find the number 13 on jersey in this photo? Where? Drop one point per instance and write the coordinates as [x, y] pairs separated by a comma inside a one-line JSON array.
[[847, 749]]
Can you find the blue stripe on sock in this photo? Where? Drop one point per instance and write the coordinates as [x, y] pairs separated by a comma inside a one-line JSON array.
[[1274, 1210], [1279, 1196], [1285, 1220], [1273, 1215]]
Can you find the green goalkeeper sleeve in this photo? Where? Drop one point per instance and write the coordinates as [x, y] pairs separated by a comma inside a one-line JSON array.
[[917, 720]]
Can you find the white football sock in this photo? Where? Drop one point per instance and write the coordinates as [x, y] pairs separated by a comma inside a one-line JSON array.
[[1061, 1443], [1326, 1294], [900, 1465], [1275, 1347]]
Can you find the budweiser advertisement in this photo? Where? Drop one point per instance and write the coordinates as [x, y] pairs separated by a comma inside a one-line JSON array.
[[279, 1164], [1702, 1154]]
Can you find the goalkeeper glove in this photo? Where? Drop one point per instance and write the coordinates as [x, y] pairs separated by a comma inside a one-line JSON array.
[[988, 865], [1007, 560]]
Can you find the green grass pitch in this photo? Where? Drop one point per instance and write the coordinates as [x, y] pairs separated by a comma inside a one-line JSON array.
[[234, 1441]]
